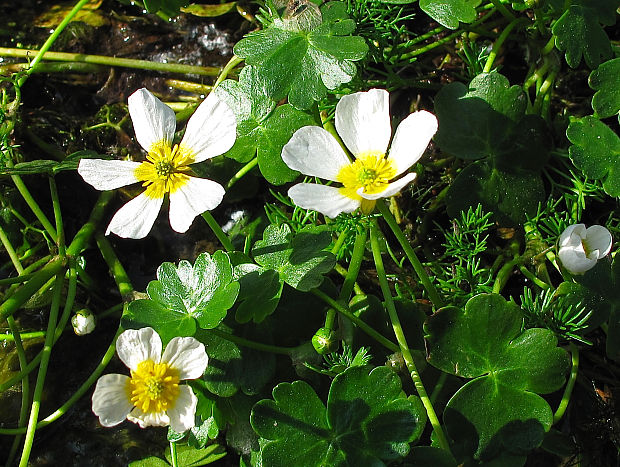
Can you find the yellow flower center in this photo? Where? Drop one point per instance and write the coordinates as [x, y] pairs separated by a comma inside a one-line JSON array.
[[370, 171], [154, 387], [165, 170]]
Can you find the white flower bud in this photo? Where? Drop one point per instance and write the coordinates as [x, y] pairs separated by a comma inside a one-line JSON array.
[[581, 248], [83, 322]]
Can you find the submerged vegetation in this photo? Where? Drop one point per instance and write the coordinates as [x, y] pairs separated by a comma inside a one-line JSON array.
[[358, 232]]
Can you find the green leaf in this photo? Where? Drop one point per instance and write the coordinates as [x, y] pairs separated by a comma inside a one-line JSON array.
[[260, 129], [231, 367], [366, 421], [48, 166], [188, 456], [300, 259], [277, 130], [599, 290], [203, 292], [448, 13], [511, 197], [605, 80], [596, 152], [209, 11], [260, 292], [578, 33], [304, 64], [499, 410], [251, 106]]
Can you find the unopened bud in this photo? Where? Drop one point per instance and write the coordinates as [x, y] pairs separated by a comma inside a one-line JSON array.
[[324, 341], [83, 322]]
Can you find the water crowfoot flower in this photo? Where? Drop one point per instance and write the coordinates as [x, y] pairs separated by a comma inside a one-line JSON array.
[[363, 123], [581, 248], [211, 131], [152, 396]]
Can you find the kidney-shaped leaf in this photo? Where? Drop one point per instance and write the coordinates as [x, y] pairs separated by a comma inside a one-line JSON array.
[[448, 13], [203, 292], [596, 151], [302, 63], [366, 421], [484, 341], [299, 259], [605, 80]]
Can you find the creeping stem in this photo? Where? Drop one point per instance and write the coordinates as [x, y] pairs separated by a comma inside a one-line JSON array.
[[402, 341], [413, 258]]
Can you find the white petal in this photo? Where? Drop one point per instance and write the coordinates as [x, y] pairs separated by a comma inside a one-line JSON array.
[[110, 401], [391, 189], [599, 238], [183, 414], [313, 151], [575, 261], [148, 419], [411, 139], [136, 218], [195, 197], [153, 121], [107, 175], [187, 355], [137, 345], [572, 235], [212, 129], [326, 199], [363, 121]]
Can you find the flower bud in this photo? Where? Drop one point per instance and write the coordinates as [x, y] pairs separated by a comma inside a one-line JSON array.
[[581, 248], [324, 341], [83, 322]]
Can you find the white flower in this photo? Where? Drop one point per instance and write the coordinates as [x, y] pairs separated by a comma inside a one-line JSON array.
[[83, 322], [581, 248], [211, 131], [152, 395], [363, 123]]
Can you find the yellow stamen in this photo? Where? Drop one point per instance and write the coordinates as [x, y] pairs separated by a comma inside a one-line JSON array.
[[371, 171], [165, 169], [153, 387]]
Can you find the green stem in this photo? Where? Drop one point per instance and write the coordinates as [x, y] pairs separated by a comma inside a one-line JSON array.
[[544, 89], [84, 235], [51, 39], [115, 62], [45, 358], [232, 63], [339, 242], [252, 344], [217, 230], [568, 390], [413, 258], [402, 341], [34, 206], [15, 280], [60, 240], [500, 41], [242, 172], [123, 282], [76, 396], [6, 243], [24, 336], [349, 281], [504, 274], [37, 281], [173, 454], [25, 389], [531, 276], [344, 311], [65, 67], [438, 386], [503, 10]]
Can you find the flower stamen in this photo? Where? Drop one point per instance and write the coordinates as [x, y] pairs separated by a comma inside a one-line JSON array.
[[165, 170], [153, 387], [370, 171]]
